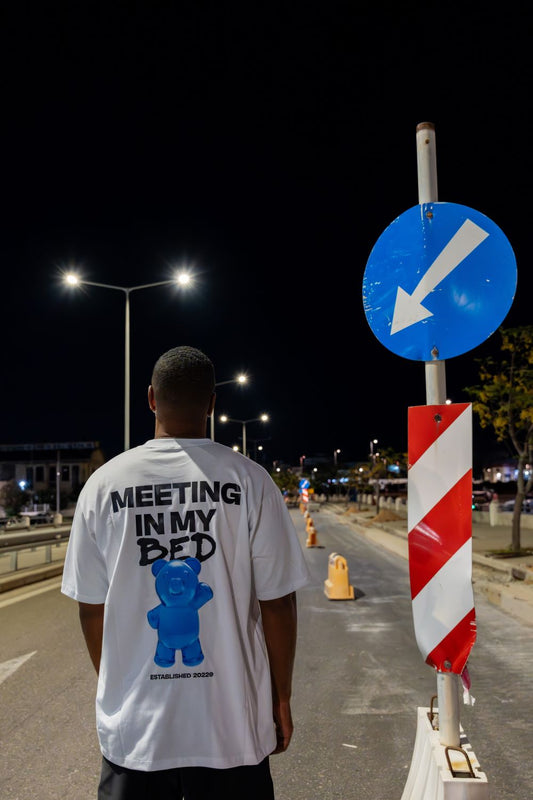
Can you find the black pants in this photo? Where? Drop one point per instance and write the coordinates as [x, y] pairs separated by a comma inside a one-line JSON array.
[[186, 783]]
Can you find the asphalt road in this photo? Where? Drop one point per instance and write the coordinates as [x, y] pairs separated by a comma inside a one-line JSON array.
[[359, 680]]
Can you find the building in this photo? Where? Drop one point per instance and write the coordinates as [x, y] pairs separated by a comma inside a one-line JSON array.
[[44, 466], [504, 472]]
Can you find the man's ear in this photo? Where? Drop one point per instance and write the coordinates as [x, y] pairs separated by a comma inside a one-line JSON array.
[[211, 407], [151, 398]]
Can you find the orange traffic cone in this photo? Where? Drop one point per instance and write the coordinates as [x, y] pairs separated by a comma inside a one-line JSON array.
[[311, 534], [337, 586]]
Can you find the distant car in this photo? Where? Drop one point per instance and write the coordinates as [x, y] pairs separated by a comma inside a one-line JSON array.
[[527, 505], [481, 499], [17, 523]]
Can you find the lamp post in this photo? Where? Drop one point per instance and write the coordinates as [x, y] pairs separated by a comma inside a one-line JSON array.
[[182, 278], [258, 448], [239, 379], [244, 422], [335, 454], [372, 443]]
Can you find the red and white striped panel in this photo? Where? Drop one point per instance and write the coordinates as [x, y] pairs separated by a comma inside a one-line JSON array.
[[439, 517], [305, 495]]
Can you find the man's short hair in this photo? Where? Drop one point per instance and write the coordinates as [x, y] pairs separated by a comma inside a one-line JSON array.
[[183, 377]]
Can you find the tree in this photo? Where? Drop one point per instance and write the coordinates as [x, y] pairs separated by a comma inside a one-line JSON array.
[[377, 471], [358, 481], [13, 498], [503, 401], [286, 480]]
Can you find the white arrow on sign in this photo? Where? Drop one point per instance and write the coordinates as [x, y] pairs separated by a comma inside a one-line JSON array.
[[408, 308], [7, 668]]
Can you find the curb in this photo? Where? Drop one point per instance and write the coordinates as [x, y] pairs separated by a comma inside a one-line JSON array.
[[24, 577]]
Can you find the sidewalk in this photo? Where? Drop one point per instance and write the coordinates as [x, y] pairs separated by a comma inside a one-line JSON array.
[[505, 582]]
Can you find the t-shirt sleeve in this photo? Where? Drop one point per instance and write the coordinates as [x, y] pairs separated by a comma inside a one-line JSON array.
[[84, 575], [279, 566]]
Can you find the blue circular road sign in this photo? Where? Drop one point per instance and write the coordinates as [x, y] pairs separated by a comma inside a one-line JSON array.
[[438, 282]]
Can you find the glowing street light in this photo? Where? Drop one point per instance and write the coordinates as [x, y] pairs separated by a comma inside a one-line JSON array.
[[182, 278], [242, 379], [372, 443], [244, 422], [335, 454]]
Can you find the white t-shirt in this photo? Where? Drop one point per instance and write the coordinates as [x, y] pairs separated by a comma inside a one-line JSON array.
[[173, 499]]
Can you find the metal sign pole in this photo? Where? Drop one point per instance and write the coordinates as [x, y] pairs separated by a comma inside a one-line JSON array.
[[447, 689], [427, 193]]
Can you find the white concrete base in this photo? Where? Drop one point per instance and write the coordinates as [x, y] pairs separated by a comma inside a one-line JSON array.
[[430, 776]]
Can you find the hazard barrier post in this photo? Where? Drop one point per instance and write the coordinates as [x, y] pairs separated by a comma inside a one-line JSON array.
[[436, 389], [417, 310], [337, 586], [440, 558], [439, 521]]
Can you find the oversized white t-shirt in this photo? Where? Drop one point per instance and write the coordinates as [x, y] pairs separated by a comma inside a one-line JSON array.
[[184, 678]]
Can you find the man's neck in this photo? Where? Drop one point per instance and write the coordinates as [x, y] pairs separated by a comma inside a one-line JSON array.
[[179, 431]]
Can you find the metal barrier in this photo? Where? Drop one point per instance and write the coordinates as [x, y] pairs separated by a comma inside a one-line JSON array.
[[42, 543]]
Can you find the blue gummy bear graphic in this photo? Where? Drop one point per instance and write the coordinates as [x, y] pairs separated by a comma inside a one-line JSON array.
[[176, 618]]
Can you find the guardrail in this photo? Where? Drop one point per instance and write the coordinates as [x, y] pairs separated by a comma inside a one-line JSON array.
[[8, 540], [38, 549]]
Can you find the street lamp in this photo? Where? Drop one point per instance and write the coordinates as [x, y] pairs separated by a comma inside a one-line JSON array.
[[244, 422], [335, 454], [182, 278], [239, 379], [372, 443]]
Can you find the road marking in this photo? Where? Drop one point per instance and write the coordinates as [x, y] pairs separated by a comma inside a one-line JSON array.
[[23, 595], [7, 668], [408, 308]]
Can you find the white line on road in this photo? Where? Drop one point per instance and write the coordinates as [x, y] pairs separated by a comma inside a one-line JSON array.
[[7, 668], [23, 595]]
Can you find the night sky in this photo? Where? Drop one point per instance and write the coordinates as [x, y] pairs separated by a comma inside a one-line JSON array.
[[265, 147]]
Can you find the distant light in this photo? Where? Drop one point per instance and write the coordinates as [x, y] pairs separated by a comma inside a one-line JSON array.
[[223, 418], [184, 278], [448, 402], [235, 448], [242, 379], [22, 485], [72, 279], [264, 417]]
